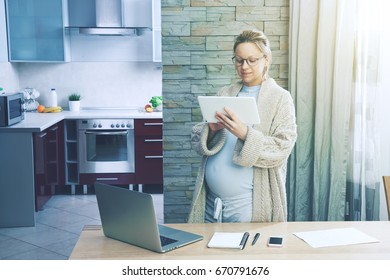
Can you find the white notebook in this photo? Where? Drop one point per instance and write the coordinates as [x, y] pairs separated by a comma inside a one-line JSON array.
[[234, 240]]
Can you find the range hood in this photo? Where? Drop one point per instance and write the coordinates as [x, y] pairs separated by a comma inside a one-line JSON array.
[[111, 31], [109, 20]]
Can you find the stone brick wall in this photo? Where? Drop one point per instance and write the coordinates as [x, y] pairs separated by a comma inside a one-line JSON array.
[[197, 41]]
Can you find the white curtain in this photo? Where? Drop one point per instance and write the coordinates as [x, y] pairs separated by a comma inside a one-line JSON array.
[[366, 166], [333, 77]]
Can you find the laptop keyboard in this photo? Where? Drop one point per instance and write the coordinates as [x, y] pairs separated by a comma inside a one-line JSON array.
[[166, 240]]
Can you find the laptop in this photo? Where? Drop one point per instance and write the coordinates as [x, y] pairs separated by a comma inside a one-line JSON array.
[[245, 108], [129, 216]]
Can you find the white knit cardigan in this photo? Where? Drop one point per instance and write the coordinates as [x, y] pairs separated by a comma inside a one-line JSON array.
[[266, 148]]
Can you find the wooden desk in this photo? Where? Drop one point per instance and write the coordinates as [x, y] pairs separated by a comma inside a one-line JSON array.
[[94, 245]]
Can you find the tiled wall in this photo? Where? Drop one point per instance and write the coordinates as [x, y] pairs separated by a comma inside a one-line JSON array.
[[197, 46], [101, 84]]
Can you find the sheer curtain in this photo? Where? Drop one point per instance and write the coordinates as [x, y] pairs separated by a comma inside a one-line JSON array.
[[366, 165], [334, 74]]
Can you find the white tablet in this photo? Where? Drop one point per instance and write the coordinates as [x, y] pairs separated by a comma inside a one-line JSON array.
[[245, 108]]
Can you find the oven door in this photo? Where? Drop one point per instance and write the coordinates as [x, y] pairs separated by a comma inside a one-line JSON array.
[[106, 151]]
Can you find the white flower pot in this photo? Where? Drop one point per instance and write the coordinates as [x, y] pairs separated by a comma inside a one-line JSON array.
[[74, 105]]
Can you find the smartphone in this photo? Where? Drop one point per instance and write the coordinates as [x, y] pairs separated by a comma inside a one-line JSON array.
[[275, 241]]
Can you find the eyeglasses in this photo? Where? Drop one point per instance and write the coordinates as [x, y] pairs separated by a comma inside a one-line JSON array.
[[251, 61]]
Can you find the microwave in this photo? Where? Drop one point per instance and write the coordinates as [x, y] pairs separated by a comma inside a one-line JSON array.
[[11, 108]]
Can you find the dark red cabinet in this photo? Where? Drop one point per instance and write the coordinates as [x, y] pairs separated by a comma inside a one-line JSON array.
[[48, 163], [148, 151]]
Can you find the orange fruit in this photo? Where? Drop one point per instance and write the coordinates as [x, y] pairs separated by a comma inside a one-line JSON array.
[[147, 106], [149, 109], [40, 108]]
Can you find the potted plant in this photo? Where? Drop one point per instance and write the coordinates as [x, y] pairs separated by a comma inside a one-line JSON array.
[[74, 102], [157, 102]]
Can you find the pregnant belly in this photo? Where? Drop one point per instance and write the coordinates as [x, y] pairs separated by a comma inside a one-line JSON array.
[[227, 179]]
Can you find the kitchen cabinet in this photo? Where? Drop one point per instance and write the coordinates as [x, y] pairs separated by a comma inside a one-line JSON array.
[[36, 30], [157, 49], [18, 173], [48, 163], [17, 205], [148, 157], [71, 147], [149, 151], [3, 34]]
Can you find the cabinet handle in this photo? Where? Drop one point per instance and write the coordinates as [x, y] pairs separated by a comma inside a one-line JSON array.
[[152, 124], [106, 179], [149, 157], [153, 140]]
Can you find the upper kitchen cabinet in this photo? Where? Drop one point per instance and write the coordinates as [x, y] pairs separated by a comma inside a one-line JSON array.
[[36, 30], [3, 35], [157, 31], [112, 30]]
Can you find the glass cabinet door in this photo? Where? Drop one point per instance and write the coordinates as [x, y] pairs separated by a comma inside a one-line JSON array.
[[35, 30]]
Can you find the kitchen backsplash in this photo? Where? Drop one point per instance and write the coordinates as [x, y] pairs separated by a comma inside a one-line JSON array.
[[9, 79], [101, 84]]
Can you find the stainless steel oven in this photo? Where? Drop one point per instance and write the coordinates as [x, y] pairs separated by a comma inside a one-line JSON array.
[[106, 146]]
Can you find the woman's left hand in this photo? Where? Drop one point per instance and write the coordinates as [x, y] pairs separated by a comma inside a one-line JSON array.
[[230, 121]]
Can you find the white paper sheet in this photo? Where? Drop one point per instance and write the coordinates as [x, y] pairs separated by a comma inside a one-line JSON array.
[[334, 237]]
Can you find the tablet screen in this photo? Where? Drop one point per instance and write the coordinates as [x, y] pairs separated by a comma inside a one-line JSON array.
[[245, 108]]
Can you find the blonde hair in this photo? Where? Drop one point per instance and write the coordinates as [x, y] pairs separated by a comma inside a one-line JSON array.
[[260, 40]]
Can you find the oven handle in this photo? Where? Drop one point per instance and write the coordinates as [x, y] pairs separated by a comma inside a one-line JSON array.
[[107, 132]]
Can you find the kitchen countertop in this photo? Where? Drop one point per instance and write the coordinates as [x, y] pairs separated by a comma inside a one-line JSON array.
[[36, 122]]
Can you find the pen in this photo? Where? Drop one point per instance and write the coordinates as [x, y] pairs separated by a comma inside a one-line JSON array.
[[244, 240], [257, 235]]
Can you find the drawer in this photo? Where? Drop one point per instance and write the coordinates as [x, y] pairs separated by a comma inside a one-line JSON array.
[[145, 144], [149, 170], [108, 178], [148, 127]]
